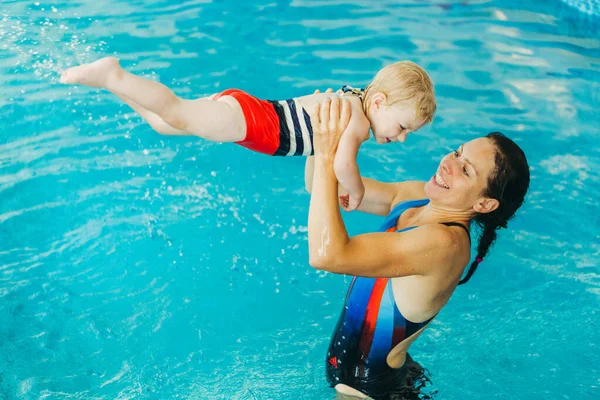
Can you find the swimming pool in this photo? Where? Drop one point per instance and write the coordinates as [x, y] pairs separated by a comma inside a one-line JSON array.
[[139, 266]]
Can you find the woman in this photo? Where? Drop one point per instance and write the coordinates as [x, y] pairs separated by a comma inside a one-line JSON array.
[[406, 272]]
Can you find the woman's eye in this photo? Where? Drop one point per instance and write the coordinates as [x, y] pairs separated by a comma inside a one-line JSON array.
[[465, 171]]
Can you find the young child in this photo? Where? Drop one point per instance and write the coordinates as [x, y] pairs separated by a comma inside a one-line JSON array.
[[399, 100]]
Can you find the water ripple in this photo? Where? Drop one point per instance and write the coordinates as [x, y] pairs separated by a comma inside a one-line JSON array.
[[141, 266]]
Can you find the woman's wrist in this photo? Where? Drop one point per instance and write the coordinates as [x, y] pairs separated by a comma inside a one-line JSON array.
[[324, 161]]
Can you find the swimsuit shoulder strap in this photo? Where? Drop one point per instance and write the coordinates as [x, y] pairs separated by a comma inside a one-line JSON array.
[[398, 209], [355, 91], [460, 226]]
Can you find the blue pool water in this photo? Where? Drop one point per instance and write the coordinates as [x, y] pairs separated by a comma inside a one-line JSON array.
[[139, 266], [591, 7]]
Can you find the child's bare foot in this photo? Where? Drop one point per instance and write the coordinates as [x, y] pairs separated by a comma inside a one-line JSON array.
[[95, 74]]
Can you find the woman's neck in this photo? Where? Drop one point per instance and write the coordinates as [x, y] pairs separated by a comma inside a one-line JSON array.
[[431, 213]]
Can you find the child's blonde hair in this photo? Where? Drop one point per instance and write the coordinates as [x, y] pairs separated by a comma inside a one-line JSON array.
[[404, 81]]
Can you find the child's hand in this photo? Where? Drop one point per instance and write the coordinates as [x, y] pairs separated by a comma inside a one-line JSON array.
[[349, 203]]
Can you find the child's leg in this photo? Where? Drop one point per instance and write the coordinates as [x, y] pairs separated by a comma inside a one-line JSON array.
[[154, 120], [220, 121]]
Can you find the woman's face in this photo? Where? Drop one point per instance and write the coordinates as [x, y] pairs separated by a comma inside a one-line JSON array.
[[462, 177]]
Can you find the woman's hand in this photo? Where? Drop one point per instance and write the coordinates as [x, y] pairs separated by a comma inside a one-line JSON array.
[[329, 90], [329, 119]]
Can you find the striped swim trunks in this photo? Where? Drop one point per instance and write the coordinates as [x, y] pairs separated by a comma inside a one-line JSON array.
[[277, 128]]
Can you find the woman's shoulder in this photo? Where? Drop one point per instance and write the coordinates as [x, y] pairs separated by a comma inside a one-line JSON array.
[[409, 190]]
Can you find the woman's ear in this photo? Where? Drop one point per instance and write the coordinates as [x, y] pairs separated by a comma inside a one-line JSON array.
[[486, 205]]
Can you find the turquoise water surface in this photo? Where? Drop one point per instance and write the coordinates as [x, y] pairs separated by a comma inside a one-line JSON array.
[[135, 265]]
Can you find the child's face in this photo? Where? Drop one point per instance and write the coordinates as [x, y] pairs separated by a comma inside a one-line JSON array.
[[392, 123]]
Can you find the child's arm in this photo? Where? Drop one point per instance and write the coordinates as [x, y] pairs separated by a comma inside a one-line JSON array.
[[347, 172], [379, 196]]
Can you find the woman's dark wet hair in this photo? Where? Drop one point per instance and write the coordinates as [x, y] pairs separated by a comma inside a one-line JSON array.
[[508, 184]]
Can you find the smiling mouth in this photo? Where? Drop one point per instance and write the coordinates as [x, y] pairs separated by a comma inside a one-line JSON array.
[[440, 182], [387, 140]]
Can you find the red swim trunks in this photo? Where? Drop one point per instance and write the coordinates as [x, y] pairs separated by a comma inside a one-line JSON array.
[[277, 128]]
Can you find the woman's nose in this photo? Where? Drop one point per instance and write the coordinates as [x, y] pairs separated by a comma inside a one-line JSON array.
[[402, 137], [446, 167]]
